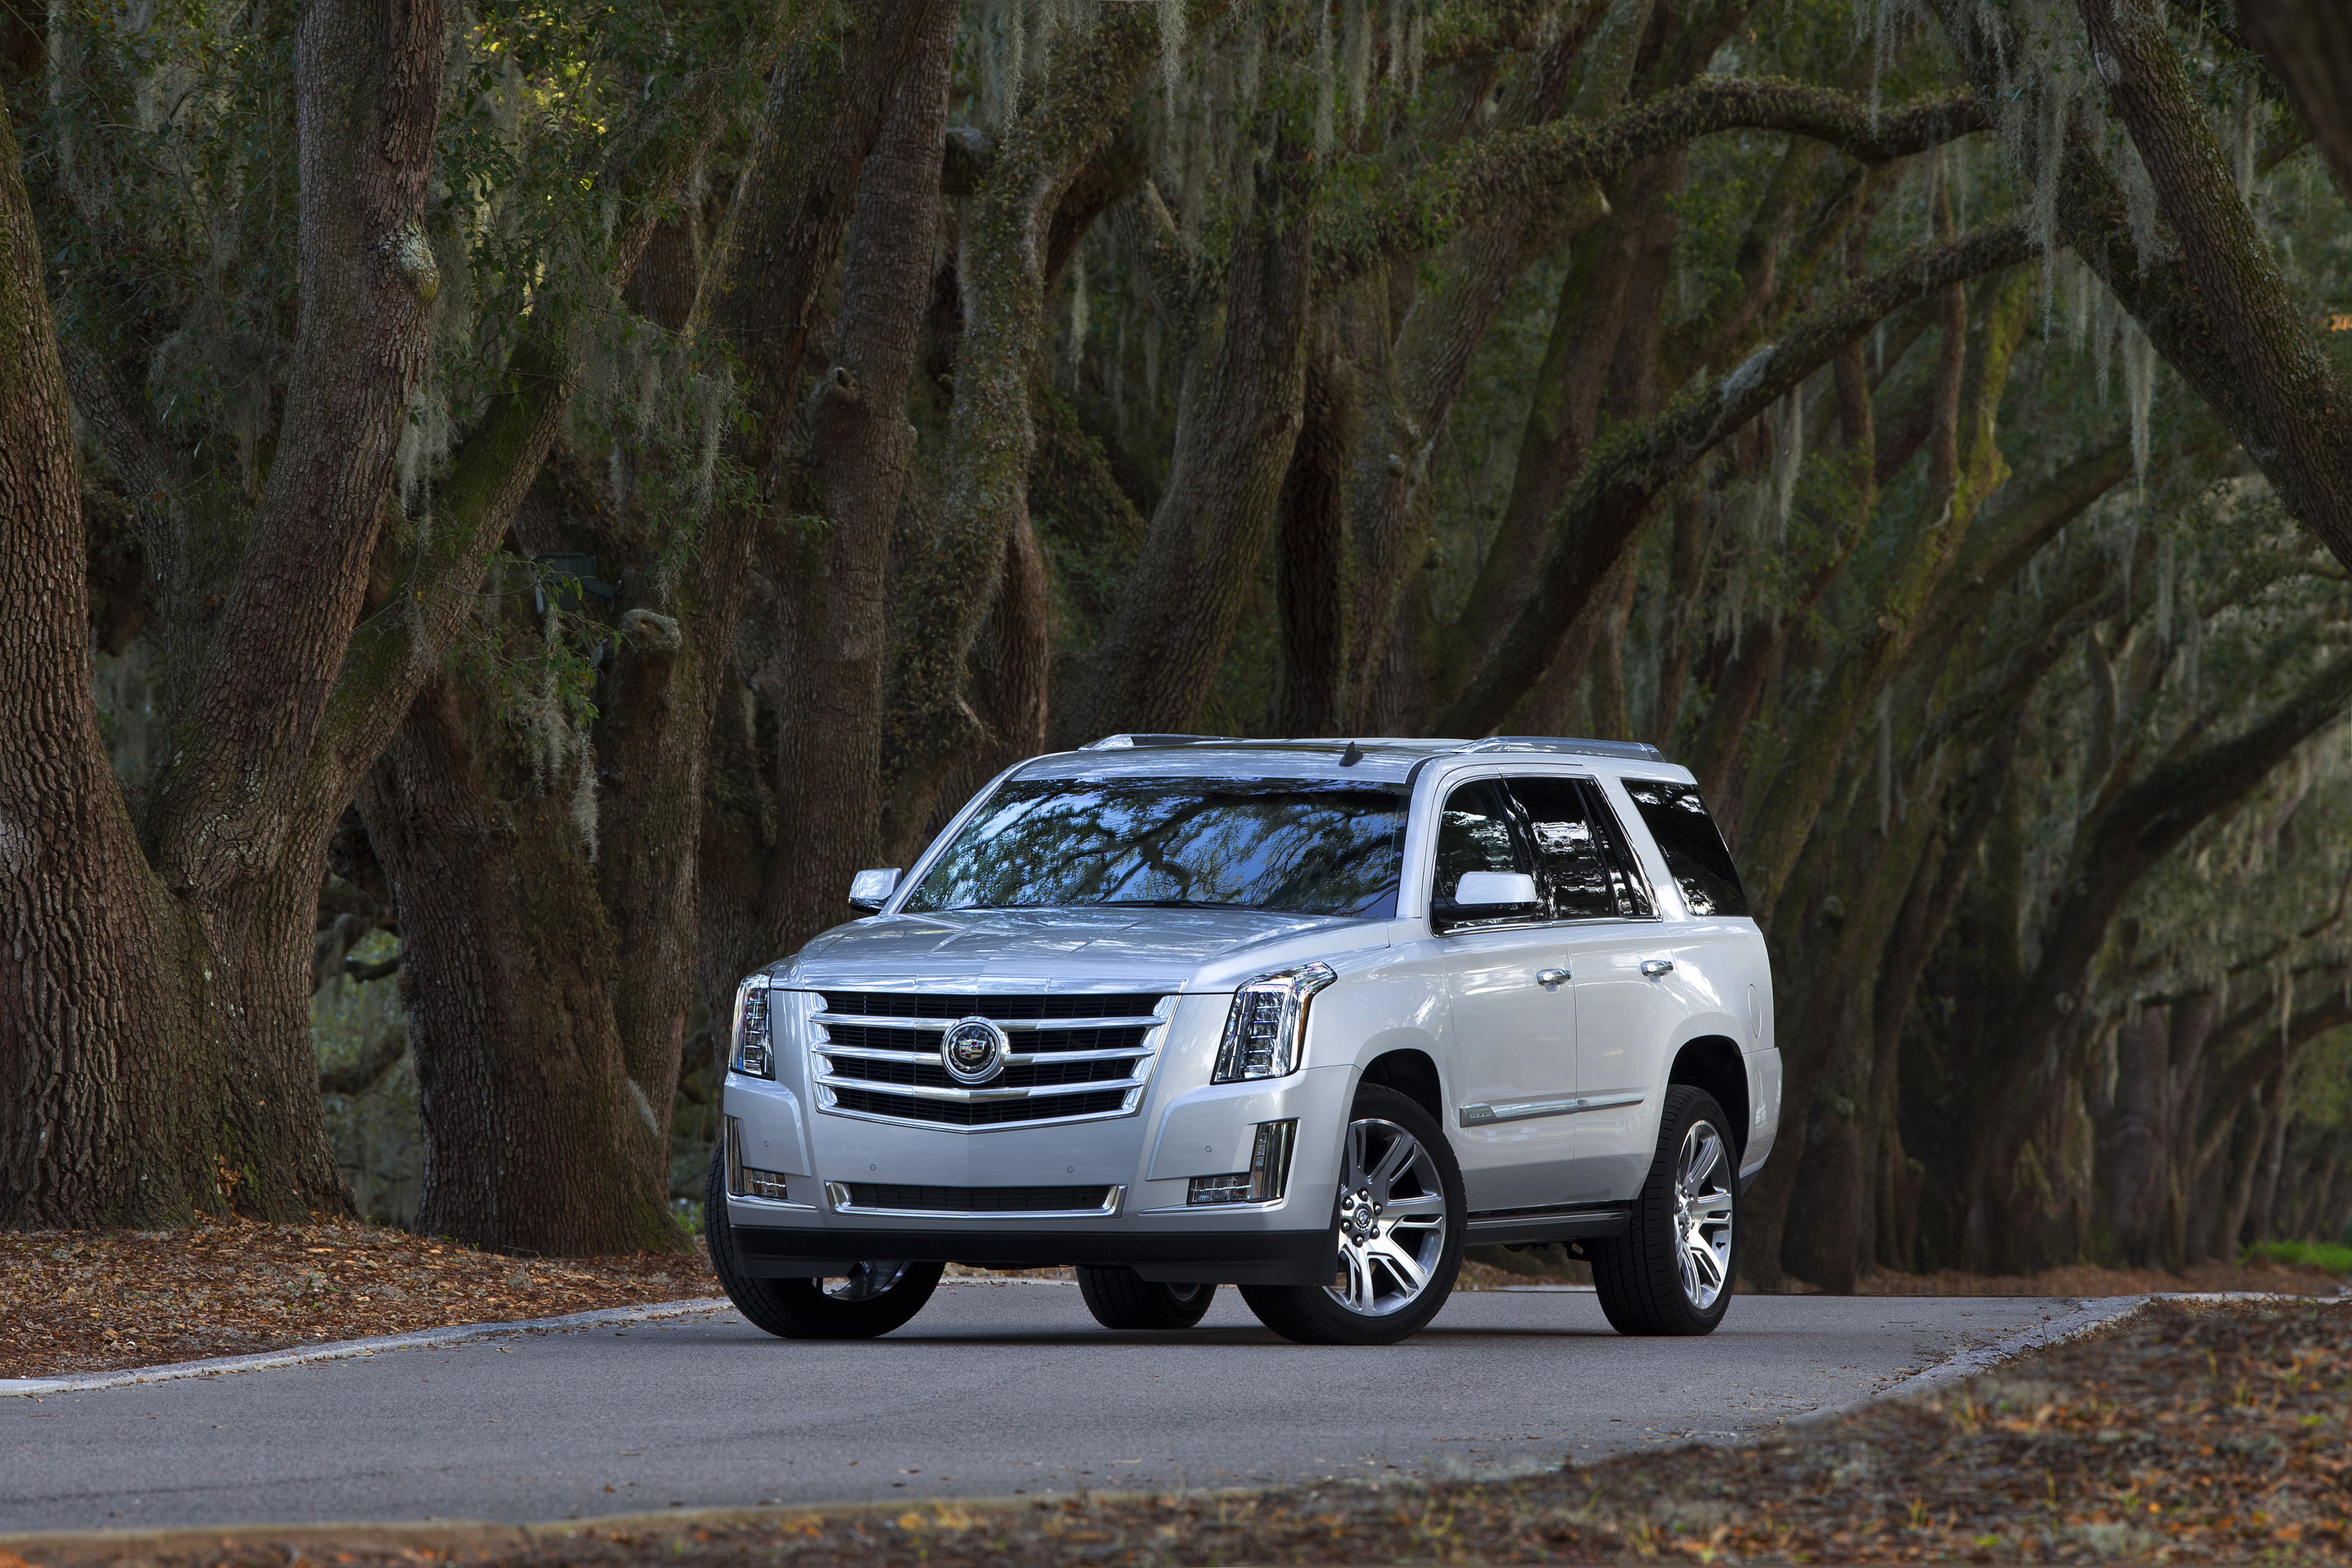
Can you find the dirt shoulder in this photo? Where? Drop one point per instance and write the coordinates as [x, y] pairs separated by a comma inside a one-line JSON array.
[[2191, 1431], [74, 1301], [2089, 1279]]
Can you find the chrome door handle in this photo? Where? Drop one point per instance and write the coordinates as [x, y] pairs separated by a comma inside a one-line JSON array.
[[1548, 978], [1653, 967]]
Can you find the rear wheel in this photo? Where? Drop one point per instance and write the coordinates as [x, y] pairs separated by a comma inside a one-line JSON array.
[[866, 1299], [1399, 1233], [1671, 1272], [1121, 1299]]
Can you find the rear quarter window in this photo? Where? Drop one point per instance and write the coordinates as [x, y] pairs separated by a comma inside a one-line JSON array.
[[1692, 846]]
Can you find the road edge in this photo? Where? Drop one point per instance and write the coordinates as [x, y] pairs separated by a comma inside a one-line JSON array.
[[345, 1350]]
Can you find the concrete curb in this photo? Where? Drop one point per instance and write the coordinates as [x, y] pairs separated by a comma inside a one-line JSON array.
[[2090, 1315], [345, 1350]]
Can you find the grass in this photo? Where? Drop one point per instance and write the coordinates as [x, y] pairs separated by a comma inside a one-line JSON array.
[[2324, 1254]]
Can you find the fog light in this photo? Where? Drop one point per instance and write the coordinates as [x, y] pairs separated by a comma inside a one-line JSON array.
[[1228, 1189], [1265, 1182], [767, 1184]]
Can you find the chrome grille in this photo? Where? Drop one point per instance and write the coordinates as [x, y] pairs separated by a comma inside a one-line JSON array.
[[1004, 1009], [1073, 1056]]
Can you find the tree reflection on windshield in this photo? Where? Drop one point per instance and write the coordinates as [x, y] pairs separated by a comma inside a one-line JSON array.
[[1296, 845]]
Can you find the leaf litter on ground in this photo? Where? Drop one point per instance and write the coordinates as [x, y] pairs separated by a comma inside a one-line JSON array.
[[77, 1301]]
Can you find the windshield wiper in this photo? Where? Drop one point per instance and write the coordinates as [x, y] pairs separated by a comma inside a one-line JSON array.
[[1170, 904]]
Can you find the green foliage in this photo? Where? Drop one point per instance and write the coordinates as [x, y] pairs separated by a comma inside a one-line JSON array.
[[2325, 1255]]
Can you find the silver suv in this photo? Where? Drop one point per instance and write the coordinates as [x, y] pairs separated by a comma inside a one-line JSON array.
[[1302, 1016]]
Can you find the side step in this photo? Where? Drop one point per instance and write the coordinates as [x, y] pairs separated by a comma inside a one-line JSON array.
[[1504, 1227]]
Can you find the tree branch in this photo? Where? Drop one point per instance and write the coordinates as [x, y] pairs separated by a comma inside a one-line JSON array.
[[2218, 312], [2307, 44], [1532, 165], [1605, 508]]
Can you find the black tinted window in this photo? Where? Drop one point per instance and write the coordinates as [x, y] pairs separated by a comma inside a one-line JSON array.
[[1694, 849], [1568, 854], [1298, 846]]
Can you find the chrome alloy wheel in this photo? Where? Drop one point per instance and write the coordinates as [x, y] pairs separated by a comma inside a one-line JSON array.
[[866, 1282], [1703, 1201], [1392, 1219]]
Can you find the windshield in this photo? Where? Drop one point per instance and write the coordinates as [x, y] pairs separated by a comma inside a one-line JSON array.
[[1297, 846]]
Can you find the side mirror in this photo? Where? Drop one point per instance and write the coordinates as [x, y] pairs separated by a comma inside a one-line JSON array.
[[869, 891], [1486, 895]]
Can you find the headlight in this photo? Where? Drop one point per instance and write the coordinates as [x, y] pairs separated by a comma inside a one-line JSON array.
[[753, 1055], [1269, 1014]]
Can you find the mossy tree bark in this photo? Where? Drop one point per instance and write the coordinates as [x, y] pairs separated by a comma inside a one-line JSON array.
[[559, 951], [2135, 829], [1610, 499], [1003, 269], [2307, 44], [1870, 898], [170, 1067], [2211, 296], [822, 769], [1244, 389]]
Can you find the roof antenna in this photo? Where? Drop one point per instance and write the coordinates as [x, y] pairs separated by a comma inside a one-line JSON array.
[[1352, 756]]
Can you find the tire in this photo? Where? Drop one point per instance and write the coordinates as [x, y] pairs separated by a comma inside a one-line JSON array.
[[1672, 1271], [872, 1300], [1360, 1311], [1121, 1299]]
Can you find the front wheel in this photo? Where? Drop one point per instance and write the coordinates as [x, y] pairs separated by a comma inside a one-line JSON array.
[[1398, 1233], [1671, 1272], [866, 1300], [1121, 1299]]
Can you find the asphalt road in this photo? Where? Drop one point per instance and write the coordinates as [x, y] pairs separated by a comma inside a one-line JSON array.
[[997, 1388]]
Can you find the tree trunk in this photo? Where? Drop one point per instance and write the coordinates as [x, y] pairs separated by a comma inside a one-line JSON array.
[[2292, 394], [537, 1138], [1832, 1056], [2114, 851], [2135, 1146], [602, 821], [1004, 240], [828, 769], [159, 1022], [1243, 392], [1312, 575]]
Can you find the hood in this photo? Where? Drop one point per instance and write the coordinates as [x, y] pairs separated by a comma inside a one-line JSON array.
[[1041, 949]]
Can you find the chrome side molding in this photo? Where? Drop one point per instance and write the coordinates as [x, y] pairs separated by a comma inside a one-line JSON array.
[[1529, 1109]]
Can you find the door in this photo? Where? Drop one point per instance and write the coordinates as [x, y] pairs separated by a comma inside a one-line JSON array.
[[1513, 1027], [1625, 1015]]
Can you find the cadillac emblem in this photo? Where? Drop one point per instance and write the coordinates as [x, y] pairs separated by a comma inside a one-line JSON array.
[[973, 1051]]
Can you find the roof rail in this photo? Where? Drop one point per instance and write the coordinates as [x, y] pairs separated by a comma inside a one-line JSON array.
[[1122, 742], [1636, 751]]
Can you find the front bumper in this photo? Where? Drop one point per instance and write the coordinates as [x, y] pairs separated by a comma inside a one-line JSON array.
[[1177, 1257]]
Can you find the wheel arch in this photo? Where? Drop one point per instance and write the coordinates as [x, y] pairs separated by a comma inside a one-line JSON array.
[[1713, 1062], [1412, 1072]]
